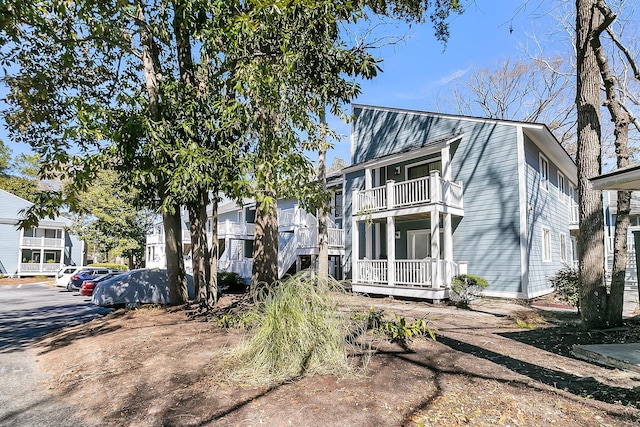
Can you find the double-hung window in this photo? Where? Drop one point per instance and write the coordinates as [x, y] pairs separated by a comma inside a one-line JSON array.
[[546, 244], [544, 173]]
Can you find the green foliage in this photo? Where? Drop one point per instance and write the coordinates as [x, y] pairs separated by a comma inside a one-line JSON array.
[[402, 332], [18, 186], [398, 330], [298, 331], [231, 282], [112, 266], [466, 287], [244, 320], [566, 284]]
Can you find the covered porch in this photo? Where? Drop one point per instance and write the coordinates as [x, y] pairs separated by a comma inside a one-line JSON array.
[[402, 228]]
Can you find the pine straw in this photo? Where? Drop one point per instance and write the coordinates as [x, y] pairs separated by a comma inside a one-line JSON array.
[[299, 332]]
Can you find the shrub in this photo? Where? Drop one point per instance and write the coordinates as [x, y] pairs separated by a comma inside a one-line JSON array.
[[113, 266], [231, 282], [565, 283], [466, 287]]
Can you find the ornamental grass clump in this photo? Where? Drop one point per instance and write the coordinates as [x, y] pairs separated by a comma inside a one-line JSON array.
[[298, 331]]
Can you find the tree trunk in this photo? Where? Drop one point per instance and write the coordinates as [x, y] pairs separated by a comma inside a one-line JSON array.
[[265, 246], [199, 247], [175, 262], [592, 288], [211, 295], [621, 119], [323, 243]]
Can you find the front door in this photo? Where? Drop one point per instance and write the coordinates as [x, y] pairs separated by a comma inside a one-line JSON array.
[[419, 244]]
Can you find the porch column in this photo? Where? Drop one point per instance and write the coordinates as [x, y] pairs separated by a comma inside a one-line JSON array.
[[42, 257], [369, 241], [435, 249], [435, 187], [391, 250], [448, 248], [355, 250], [368, 178], [446, 163]]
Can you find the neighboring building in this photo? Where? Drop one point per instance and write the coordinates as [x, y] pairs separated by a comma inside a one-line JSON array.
[[298, 237], [431, 195], [621, 179], [428, 196], [39, 251]]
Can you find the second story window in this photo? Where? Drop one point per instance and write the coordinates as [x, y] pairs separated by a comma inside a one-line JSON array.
[[544, 173], [561, 188]]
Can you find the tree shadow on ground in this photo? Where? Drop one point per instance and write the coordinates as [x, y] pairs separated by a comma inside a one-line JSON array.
[[587, 387]]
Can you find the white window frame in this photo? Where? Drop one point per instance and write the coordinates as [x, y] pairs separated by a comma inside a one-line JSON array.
[[544, 172], [546, 244], [562, 187], [563, 247]]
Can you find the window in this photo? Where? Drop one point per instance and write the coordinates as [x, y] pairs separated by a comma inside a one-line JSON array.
[[561, 188], [563, 247], [544, 173], [337, 204], [546, 244], [423, 169]]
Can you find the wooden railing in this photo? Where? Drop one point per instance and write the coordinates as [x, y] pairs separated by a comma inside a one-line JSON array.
[[413, 192], [372, 271], [37, 267], [407, 272], [42, 242], [335, 237], [229, 227]]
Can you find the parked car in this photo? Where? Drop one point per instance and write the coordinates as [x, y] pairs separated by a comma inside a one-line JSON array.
[[64, 275], [87, 273], [145, 286], [88, 285]]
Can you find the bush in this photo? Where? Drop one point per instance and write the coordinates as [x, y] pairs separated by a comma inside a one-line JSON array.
[[231, 282], [466, 287], [113, 266], [565, 282]]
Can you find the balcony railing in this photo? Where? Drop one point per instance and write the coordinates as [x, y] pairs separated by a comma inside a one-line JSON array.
[[42, 242], [335, 237], [37, 267], [410, 273], [573, 215], [420, 191], [235, 228]]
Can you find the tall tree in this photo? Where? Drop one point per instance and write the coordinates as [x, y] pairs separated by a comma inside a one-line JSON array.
[[590, 242]]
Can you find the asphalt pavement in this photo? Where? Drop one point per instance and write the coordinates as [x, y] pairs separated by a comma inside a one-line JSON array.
[[27, 312]]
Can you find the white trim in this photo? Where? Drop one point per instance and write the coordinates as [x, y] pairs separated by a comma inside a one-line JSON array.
[[546, 243], [522, 204], [562, 196], [544, 184], [563, 254]]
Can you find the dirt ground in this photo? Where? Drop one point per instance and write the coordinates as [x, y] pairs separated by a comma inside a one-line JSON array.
[[153, 367]]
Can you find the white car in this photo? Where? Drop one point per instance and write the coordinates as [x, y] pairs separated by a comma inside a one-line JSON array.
[[63, 277]]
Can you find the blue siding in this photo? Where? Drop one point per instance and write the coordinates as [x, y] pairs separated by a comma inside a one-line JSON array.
[[484, 160], [10, 205], [545, 210]]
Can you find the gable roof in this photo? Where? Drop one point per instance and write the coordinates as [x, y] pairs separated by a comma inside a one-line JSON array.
[[11, 205], [539, 133]]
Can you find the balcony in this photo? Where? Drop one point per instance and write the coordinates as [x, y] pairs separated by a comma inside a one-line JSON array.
[[424, 191], [574, 220], [42, 242], [232, 228]]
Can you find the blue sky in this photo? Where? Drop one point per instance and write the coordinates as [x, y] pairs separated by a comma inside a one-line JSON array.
[[420, 68]]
